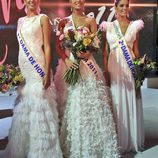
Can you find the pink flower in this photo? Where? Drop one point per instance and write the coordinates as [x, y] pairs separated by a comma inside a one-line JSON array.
[[86, 29], [61, 37], [58, 33], [8, 66], [82, 31], [5, 88], [85, 32], [103, 26]]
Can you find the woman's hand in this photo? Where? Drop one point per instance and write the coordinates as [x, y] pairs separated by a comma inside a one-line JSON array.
[[83, 55], [70, 64], [47, 81]]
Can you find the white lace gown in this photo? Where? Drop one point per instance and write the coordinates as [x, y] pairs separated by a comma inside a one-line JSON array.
[[127, 107], [34, 130], [88, 129]]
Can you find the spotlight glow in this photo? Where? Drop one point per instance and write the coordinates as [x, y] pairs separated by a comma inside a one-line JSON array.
[[64, 4]]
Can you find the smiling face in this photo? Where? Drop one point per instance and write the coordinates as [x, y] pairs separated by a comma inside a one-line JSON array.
[[77, 4], [122, 8], [32, 5]]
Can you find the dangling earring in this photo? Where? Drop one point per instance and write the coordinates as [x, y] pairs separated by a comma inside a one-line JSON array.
[[128, 15], [83, 9], [25, 9], [38, 10], [115, 15]]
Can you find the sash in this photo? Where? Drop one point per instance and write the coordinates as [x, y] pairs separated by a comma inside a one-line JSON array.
[[124, 49], [87, 62], [29, 55]]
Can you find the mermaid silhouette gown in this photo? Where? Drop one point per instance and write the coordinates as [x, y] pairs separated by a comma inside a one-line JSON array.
[[34, 130]]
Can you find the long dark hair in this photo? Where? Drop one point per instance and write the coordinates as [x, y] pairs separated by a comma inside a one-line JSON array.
[[117, 2]]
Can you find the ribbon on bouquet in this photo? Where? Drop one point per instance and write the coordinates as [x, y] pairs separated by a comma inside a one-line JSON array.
[[29, 55], [124, 49]]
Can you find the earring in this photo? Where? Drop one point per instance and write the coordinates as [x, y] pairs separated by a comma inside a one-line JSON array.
[[38, 10], [115, 15], [26, 10], [128, 15], [115, 12]]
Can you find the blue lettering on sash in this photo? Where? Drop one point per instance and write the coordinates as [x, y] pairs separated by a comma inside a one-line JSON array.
[[42, 74], [121, 42], [31, 59], [39, 70], [24, 48], [127, 58], [21, 42], [125, 51], [130, 64]]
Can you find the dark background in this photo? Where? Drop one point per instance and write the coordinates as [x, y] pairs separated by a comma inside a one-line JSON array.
[[148, 36]]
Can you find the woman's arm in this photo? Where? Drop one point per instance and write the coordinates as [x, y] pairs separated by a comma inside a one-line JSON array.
[[46, 28], [136, 47], [93, 25]]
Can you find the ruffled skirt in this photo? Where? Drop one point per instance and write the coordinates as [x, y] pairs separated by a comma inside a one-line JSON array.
[[34, 130], [88, 129]]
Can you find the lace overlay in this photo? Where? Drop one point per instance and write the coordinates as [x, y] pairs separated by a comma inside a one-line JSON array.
[[88, 129]]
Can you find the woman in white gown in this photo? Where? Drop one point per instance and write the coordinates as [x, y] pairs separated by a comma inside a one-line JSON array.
[[34, 130], [88, 129], [127, 106]]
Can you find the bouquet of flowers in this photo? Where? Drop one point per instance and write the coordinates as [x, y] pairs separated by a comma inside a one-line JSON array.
[[143, 66], [9, 76], [79, 40]]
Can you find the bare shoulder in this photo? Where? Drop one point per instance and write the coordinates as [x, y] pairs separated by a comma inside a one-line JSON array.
[[90, 20], [44, 19], [20, 21], [91, 23]]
